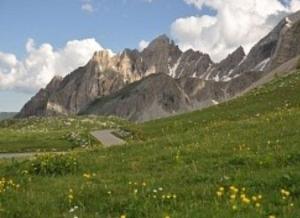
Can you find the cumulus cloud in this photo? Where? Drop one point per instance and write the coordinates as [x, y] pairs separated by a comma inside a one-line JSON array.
[[87, 6], [295, 5], [143, 44], [236, 23], [42, 63]]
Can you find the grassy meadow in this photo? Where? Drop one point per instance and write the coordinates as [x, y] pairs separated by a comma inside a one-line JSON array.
[[53, 134], [239, 159]]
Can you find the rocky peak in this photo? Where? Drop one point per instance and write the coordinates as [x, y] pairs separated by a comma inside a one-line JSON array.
[[232, 60], [191, 64], [239, 53], [100, 55], [279, 46], [106, 74], [54, 83], [160, 42], [293, 18], [287, 44]]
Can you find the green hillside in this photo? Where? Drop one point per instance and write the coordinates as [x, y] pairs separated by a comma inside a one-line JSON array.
[[238, 159], [53, 133]]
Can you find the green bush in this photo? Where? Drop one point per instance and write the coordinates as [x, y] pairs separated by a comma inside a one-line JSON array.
[[52, 165]]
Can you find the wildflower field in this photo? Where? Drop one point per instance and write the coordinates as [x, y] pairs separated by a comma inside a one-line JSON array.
[[238, 159], [53, 133]]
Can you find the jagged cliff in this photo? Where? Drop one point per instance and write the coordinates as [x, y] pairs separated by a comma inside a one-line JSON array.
[[106, 76]]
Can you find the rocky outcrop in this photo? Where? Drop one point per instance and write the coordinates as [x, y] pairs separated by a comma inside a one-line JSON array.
[[160, 95], [107, 73], [191, 74], [278, 47], [157, 95], [223, 71], [288, 45], [37, 105], [83, 86]]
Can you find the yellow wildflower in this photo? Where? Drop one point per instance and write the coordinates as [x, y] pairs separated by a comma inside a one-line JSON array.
[[246, 200], [219, 194], [87, 176], [232, 197]]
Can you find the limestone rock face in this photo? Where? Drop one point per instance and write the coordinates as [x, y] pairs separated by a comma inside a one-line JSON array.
[[160, 95], [155, 96], [278, 47], [223, 71], [162, 80], [83, 86], [37, 105], [288, 45], [107, 73]]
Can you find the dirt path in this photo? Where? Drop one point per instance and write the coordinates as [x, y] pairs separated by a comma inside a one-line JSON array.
[[24, 155], [107, 138]]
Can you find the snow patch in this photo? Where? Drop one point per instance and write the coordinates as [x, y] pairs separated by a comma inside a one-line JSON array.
[[216, 77], [209, 71], [226, 78], [243, 60], [230, 72], [261, 66], [289, 23], [215, 102], [173, 69]]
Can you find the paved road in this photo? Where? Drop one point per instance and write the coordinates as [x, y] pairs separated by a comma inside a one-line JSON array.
[[107, 138]]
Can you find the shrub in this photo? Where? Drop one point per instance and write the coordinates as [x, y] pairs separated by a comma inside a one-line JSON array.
[[52, 164]]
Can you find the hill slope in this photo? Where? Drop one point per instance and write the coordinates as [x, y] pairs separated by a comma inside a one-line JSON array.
[[248, 146]]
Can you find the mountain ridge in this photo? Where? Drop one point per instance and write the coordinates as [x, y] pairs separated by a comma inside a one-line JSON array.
[[106, 73]]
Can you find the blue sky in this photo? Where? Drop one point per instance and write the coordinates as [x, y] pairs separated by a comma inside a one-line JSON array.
[[114, 23], [35, 31]]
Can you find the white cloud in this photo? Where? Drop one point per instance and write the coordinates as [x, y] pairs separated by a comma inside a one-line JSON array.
[[235, 23], [295, 5], [42, 63], [87, 6], [143, 44]]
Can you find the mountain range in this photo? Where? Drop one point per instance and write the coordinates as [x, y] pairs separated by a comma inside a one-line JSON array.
[[163, 80]]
